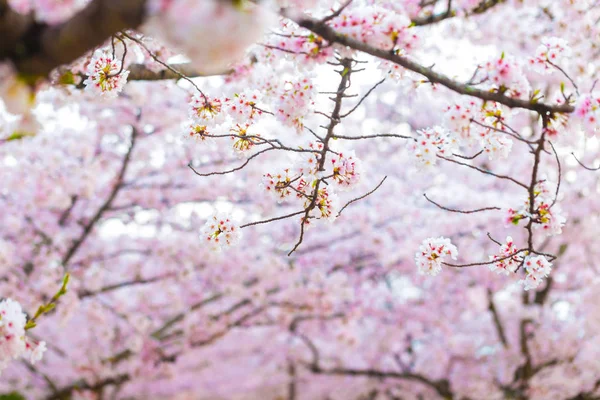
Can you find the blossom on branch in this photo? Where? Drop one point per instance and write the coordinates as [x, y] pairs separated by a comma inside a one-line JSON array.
[[220, 232], [105, 75], [432, 253], [537, 268], [13, 342], [507, 258]]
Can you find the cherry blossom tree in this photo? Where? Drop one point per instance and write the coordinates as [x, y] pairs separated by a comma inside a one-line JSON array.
[[285, 199]]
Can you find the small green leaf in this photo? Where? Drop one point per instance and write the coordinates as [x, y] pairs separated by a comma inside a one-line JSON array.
[[16, 135], [12, 396], [67, 78], [30, 325]]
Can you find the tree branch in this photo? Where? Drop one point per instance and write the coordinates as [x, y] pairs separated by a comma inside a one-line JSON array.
[[36, 49]]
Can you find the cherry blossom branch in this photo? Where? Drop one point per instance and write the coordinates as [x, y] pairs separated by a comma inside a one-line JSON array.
[[332, 36], [511, 134], [441, 387], [449, 13], [229, 171], [363, 98], [379, 135], [559, 174], [534, 172], [265, 221], [121, 285], [460, 211], [36, 49], [140, 72], [584, 166], [485, 171], [89, 226], [485, 262], [497, 321], [474, 156], [337, 12], [65, 393], [345, 74], [164, 64], [363, 196], [566, 75]]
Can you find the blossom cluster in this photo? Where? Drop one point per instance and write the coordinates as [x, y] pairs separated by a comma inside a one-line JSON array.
[[278, 184], [304, 49], [549, 53], [587, 112], [378, 27], [430, 143], [547, 215], [105, 75], [537, 268], [13, 341], [508, 258], [432, 253], [220, 232], [346, 169], [294, 101], [505, 74], [478, 123]]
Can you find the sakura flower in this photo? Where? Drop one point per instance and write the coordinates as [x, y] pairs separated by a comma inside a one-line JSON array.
[[432, 253], [377, 26], [278, 184], [242, 106], [547, 215], [346, 169], [327, 204], [35, 351], [294, 102], [430, 143], [220, 232], [203, 109], [12, 331], [507, 259], [537, 268], [496, 145], [587, 112], [197, 131], [104, 75], [549, 53], [243, 141], [506, 75]]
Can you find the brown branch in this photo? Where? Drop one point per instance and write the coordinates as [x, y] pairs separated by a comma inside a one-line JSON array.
[[105, 206], [460, 211], [363, 196], [65, 393], [485, 171], [442, 387], [140, 72], [584, 166], [36, 49], [332, 36], [120, 285], [449, 13], [497, 321]]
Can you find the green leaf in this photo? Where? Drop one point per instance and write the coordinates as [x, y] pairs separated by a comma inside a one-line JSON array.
[[12, 396], [67, 78], [17, 135], [30, 325]]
